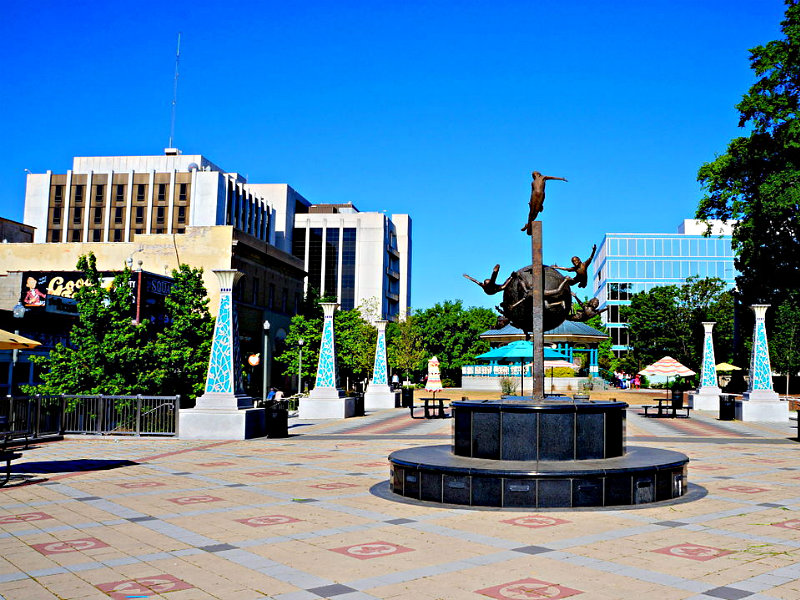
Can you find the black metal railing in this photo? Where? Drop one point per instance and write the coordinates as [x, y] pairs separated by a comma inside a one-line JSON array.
[[40, 416]]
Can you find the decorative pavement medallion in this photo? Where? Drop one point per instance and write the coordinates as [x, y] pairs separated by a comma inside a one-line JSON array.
[[790, 524], [535, 521], [371, 550], [745, 489], [195, 499], [693, 552], [69, 546], [267, 473], [333, 486], [24, 518], [131, 485], [528, 589], [144, 586], [267, 520]]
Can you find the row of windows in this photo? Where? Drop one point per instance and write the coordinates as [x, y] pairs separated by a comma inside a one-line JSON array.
[[159, 213], [140, 189], [333, 247], [676, 246], [668, 269]]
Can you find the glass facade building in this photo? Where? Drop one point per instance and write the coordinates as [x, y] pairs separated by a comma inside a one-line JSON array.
[[628, 263]]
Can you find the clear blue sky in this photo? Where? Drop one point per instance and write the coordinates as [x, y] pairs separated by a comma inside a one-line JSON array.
[[439, 109]]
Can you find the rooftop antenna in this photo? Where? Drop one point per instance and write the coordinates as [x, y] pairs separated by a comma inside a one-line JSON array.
[[175, 93]]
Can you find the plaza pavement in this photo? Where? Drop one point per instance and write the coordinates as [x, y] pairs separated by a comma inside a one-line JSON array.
[[308, 517]]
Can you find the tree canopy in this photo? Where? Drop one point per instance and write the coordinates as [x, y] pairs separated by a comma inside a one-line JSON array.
[[667, 320], [757, 180]]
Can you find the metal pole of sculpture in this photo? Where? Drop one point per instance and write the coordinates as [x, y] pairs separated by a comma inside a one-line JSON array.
[[535, 228]]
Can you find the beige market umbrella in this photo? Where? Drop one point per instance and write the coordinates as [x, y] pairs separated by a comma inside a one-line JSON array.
[[727, 367], [13, 341], [668, 367]]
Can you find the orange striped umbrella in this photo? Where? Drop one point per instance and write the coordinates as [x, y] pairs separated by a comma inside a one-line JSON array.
[[668, 367]]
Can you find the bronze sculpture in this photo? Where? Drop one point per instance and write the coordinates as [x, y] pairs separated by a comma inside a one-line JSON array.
[[537, 197], [580, 268], [587, 311], [490, 285]]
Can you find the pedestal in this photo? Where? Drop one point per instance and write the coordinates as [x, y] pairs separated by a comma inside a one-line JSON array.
[[222, 424], [705, 399], [760, 402], [380, 397], [326, 403], [773, 411]]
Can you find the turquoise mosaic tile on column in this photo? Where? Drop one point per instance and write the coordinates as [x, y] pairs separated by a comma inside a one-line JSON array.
[[708, 374], [326, 367], [379, 371], [760, 370], [224, 371]]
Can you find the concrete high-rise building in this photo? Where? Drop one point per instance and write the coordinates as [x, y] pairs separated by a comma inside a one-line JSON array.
[[628, 263]]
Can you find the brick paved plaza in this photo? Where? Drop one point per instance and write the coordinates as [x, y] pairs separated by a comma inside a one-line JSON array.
[[308, 517]]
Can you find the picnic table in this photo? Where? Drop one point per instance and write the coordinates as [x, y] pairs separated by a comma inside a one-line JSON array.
[[667, 407], [433, 408]]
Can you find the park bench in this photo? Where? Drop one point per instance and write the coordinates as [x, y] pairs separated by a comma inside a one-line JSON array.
[[433, 408], [10, 441], [667, 407]]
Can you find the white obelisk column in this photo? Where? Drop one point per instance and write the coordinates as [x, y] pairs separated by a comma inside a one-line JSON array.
[[326, 400], [760, 402], [224, 411], [707, 397], [379, 395]]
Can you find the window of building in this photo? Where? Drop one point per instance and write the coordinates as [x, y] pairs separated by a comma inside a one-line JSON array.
[[58, 194], [315, 259], [348, 268], [118, 215], [99, 193], [162, 192], [98, 215], [117, 235], [331, 261], [76, 215], [139, 215], [120, 193], [55, 235], [141, 192], [284, 300], [160, 215], [256, 284], [140, 231], [78, 193], [183, 192], [76, 235], [299, 243], [182, 213], [158, 231], [271, 296], [96, 235], [56, 215]]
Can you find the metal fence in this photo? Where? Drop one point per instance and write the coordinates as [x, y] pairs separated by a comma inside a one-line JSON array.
[[98, 415]]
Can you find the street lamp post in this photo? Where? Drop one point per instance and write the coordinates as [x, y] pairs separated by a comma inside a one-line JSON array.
[[265, 368], [19, 313], [300, 367]]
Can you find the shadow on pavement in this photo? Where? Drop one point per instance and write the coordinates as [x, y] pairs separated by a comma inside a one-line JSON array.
[[69, 466]]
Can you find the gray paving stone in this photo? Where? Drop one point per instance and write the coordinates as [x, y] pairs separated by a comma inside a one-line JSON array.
[[727, 593], [335, 589]]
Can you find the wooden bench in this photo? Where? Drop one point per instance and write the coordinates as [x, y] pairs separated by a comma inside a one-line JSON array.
[[667, 407], [11, 439]]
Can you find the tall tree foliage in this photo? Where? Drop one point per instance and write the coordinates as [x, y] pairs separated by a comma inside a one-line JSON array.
[[404, 345], [180, 352], [784, 345], [110, 353], [450, 332], [757, 180], [667, 320]]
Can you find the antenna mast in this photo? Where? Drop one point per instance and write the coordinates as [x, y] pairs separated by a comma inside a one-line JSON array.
[[175, 93]]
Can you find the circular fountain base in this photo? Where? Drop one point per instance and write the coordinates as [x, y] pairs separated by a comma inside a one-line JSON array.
[[538, 454], [435, 474]]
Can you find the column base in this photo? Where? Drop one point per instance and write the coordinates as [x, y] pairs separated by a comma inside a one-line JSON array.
[[378, 397], [223, 401], [705, 399], [222, 424], [761, 396], [774, 412], [326, 403]]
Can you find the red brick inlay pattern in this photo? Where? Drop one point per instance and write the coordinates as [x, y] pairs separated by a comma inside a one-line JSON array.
[[373, 464], [268, 473], [528, 589], [371, 550], [69, 546], [215, 464], [195, 499], [693, 552], [143, 586], [535, 521], [24, 518], [267, 520]]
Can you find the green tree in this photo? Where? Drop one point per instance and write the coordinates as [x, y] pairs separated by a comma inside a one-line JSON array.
[[757, 180], [179, 354], [450, 332], [404, 346], [106, 351], [785, 339], [667, 320]]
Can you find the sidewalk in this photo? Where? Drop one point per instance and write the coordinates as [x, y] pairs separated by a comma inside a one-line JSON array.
[[311, 517]]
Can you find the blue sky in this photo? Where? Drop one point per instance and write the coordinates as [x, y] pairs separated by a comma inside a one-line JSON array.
[[439, 109]]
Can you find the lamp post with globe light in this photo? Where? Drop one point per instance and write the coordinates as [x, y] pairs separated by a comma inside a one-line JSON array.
[[265, 369]]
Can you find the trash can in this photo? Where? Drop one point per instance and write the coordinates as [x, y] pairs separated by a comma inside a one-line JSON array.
[[278, 420], [359, 404], [727, 407], [408, 397]]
